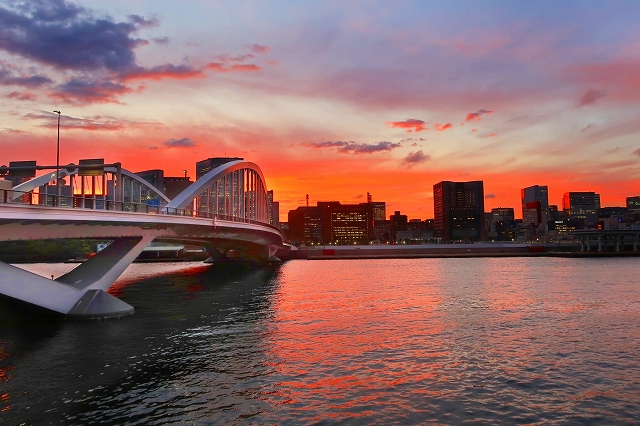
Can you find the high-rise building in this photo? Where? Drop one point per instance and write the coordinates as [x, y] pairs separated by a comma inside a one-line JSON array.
[[459, 210], [539, 193], [633, 203], [306, 225], [581, 205], [219, 200], [347, 223], [273, 209], [398, 223], [205, 166]]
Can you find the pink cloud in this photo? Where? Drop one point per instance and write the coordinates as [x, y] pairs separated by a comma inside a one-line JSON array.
[[442, 127], [22, 96], [259, 49], [475, 116], [410, 124], [220, 67]]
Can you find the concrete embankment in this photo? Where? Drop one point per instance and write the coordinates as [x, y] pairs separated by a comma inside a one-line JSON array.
[[433, 250]]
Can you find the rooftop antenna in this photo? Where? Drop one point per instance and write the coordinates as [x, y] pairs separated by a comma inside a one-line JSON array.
[[307, 200], [369, 198]]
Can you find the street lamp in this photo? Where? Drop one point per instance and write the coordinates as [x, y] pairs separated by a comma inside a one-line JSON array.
[[57, 203]]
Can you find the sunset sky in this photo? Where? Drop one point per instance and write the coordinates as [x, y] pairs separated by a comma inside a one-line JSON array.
[[334, 98]]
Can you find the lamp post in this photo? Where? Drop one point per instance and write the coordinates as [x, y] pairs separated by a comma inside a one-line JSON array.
[[185, 174], [57, 203]]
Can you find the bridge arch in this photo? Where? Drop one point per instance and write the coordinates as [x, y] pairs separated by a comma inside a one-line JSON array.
[[133, 190], [232, 191]]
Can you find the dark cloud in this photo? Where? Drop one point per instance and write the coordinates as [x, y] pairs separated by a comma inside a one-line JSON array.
[[95, 123], [410, 124], [7, 78], [352, 147], [414, 158], [68, 37], [591, 96], [140, 21], [179, 143], [475, 116], [637, 152], [22, 96], [89, 91], [97, 54], [588, 127], [490, 196], [358, 197]]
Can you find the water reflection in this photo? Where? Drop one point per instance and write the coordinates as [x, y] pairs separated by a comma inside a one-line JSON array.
[[514, 340]]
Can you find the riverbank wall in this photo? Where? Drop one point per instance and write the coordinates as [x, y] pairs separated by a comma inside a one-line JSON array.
[[434, 250]]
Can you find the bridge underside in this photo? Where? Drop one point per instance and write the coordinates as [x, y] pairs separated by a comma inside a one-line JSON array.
[[83, 292]]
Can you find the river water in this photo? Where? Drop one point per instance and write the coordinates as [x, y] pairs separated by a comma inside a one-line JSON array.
[[488, 340]]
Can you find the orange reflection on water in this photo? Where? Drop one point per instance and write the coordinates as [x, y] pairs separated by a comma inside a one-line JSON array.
[[351, 343]]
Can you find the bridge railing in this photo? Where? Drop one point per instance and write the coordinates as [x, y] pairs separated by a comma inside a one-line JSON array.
[[8, 196]]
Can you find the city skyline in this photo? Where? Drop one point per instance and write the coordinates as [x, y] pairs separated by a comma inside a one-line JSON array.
[[334, 100]]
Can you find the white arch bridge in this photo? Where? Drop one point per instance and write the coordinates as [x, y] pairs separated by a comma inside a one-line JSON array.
[[224, 210]]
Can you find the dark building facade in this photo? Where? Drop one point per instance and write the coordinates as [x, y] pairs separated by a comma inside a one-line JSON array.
[[540, 194], [306, 225], [459, 211], [331, 222], [398, 224], [169, 186], [347, 223], [581, 205], [205, 166]]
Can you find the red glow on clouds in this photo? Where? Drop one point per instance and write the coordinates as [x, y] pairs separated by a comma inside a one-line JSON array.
[[442, 127], [475, 116], [163, 72], [410, 124]]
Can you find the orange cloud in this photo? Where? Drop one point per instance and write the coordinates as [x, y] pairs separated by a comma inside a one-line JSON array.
[[442, 127], [410, 124], [475, 116]]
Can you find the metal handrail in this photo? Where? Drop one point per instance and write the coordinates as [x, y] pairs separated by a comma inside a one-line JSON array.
[[8, 196]]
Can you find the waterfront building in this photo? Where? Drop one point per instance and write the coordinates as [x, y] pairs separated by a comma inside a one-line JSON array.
[[540, 194], [633, 203], [347, 223], [581, 205], [331, 222], [306, 225], [379, 210], [398, 223], [273, 208], [459, 211], [501, 224], [382, 230]]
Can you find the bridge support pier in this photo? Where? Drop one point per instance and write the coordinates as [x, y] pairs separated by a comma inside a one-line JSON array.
[[82, 292]]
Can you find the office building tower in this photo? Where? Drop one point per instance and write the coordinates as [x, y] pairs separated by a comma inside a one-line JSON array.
[[205, 166], [633, 203], [459, 211], [536, 193], [581, 205]]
